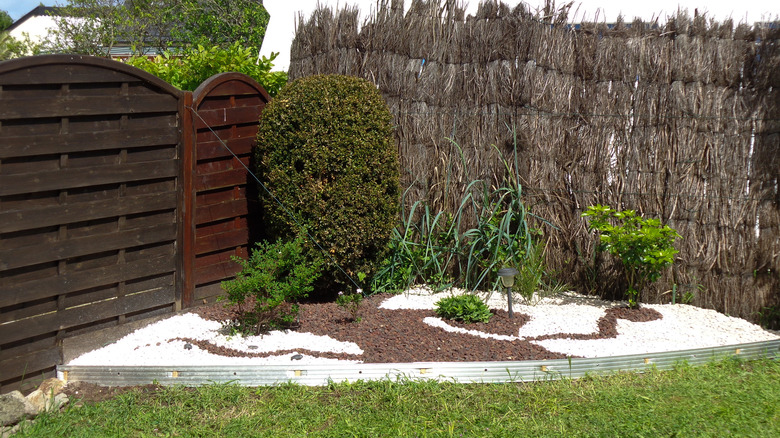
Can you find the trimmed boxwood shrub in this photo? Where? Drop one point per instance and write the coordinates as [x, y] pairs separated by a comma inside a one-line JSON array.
[[325, 149]]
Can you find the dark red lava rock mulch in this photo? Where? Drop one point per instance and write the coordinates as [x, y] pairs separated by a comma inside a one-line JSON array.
[[387, 336]]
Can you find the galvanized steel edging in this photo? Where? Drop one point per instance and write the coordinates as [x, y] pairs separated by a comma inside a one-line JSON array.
[[462, 372]]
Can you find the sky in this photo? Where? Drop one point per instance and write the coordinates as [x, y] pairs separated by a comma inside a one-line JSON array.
[[284, 13]]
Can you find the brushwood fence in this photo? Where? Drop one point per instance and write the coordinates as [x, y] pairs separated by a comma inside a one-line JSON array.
[[679, 121], [117, 202]]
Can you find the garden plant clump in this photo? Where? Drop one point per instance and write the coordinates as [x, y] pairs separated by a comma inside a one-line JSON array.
[[467, 308], [351, 303], [326, 153], [645, 247], [438, 249], [275, 277]]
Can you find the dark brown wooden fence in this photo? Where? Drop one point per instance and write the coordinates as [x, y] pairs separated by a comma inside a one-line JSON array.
[[227, 109], [97, 173]]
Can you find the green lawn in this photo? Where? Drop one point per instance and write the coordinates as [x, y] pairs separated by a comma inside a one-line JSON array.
[[725, 398]]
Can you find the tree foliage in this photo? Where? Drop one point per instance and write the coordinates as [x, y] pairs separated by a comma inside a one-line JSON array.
[[11, 47], [94, 27], [5, 20], [188, 68], [90, 27]]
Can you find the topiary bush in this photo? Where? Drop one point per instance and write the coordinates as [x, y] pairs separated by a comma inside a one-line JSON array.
[[325, 149]]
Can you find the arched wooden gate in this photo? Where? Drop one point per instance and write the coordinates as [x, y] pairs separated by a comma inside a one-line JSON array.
[[224, 114]]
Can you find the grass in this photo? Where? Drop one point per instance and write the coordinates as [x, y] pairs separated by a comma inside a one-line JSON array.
[[725, 398]]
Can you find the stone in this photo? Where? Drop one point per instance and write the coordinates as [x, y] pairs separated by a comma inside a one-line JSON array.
[[45, 397], [52, 386], [14, 407], [9, 431], [38, 400], [59, 401]]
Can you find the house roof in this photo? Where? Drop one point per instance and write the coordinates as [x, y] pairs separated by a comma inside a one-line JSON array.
[[38, 11]]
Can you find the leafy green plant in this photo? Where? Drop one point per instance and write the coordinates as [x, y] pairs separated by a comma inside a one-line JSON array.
[[685, 293], [326, 151], [530, 274], [429, 247], [11, 47], [423, 250], [188, 68], [645, 247], [270, 283], [351, 303], [155, 24], [769, 317], [467, 308]]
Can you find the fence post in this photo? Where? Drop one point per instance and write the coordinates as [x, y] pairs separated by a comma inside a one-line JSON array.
[[186, 254]]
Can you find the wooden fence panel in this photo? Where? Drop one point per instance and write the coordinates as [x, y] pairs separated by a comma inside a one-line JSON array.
[[222, 201], [89, 194]]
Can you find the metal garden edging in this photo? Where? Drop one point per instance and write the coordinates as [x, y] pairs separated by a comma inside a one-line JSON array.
[[461, 372]]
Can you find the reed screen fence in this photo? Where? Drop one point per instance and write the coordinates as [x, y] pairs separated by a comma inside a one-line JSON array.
[[678, 121]]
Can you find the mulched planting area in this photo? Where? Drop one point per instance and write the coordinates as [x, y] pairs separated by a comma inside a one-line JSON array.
[[387, 336]]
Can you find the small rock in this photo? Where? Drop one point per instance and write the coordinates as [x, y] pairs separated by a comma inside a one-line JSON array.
[[188, 346], [48, 396], [59, 401], [52, 386], [9, 431], [252, 347], [38, 400], [296, 357], [14, 407]]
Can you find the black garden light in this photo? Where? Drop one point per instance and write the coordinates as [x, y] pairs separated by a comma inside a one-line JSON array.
[[508, 280]]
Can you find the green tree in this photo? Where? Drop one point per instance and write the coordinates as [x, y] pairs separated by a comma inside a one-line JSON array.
[[91, 27], [94, 27], [218, 22], [5, 20], [11, 47]]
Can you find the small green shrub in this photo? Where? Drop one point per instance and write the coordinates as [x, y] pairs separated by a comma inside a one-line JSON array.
[[325, 150], [467, 308], [530, 273], [351, 303], [644, 246], [274, 278]]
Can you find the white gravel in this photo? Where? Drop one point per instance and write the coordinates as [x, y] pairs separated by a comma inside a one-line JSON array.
[[682, 327]]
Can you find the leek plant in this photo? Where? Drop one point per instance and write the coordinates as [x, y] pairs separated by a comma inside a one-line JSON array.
[[429, 247]]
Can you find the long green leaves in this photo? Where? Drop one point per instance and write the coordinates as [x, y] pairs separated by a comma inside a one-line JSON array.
[[433, 248]]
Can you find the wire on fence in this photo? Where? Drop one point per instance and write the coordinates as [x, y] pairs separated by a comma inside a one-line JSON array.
[[286, 210]]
